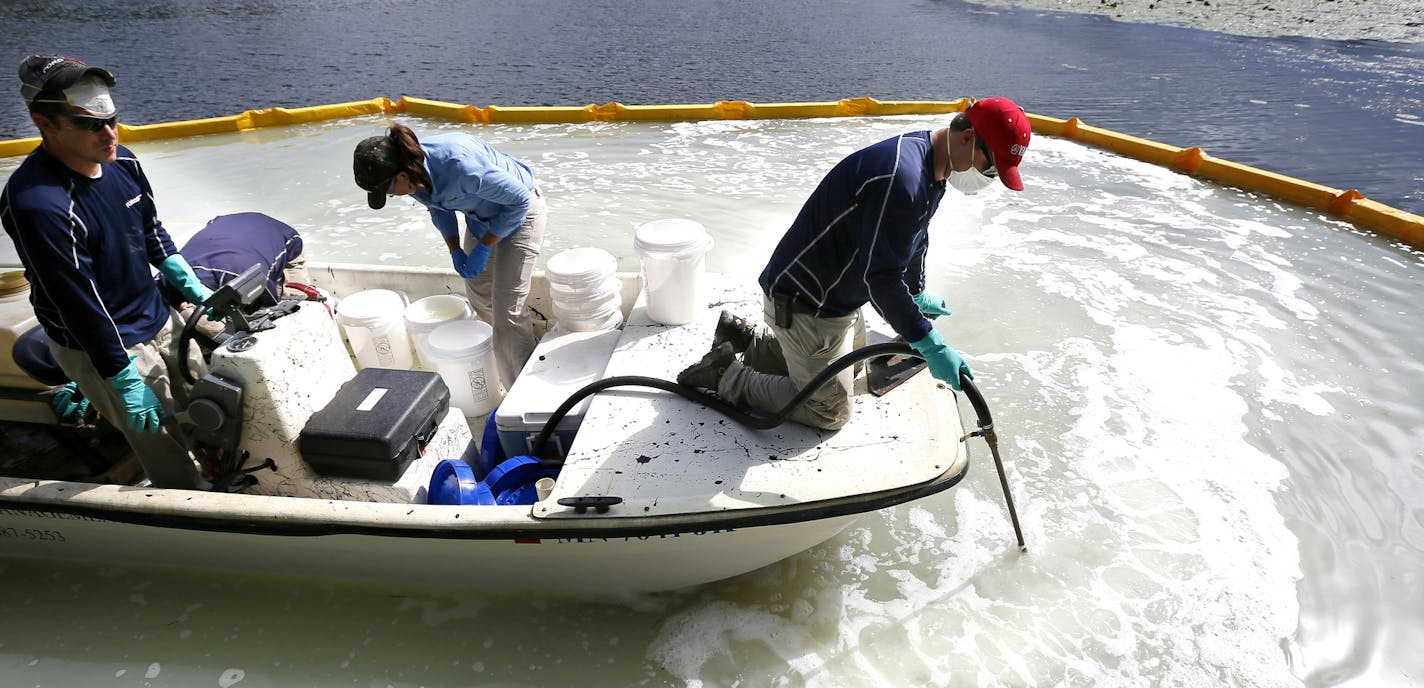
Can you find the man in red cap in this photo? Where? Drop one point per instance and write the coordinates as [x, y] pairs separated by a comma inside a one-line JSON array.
[[81, 213], [861, 238]]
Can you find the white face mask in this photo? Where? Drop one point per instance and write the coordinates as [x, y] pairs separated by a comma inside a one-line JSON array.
[[91, 94], [970, 181]]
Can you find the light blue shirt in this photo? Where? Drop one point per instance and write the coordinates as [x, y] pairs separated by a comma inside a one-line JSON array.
[[491, 188]]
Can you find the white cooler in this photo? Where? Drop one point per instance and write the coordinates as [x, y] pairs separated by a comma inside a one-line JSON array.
[[562, 363]]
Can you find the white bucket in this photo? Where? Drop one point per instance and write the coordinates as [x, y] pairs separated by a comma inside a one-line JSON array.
[[587, 305], [423, 316], [562, 292], [577, 269], [462, 351], [673, 254], [374, 326], [609, 322], [586, 294]]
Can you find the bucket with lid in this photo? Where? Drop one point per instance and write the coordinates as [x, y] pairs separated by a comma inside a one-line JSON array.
[[462, 352], [673, 254], [586, 312], [611, 285], [373, 323], [424, 315], [579, 269], [586, 294]]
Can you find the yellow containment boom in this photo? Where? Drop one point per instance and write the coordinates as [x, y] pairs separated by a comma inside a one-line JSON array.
[[1348, 204]]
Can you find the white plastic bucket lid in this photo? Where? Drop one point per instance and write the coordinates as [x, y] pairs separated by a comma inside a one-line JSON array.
[[597, 309], [373, 307], [428, 313], [674, 236], [579, 297], [581, 266], [566, 325], [608, 286], [459, 340]]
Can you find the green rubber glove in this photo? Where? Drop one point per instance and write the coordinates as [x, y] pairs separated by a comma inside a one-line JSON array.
[[945, 363], [143, 407], [179, 273], [930, 305], [64, 404]]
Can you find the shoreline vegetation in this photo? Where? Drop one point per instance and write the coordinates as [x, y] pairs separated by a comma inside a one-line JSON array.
[[1343, 20]]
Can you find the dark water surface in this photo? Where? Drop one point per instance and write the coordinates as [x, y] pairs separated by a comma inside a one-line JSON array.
[[1348, 114]]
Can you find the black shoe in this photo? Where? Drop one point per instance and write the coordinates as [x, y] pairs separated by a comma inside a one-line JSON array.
[[707, 372], [732, 329]]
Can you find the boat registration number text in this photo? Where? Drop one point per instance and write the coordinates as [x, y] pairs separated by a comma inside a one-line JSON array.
[[32, 534]]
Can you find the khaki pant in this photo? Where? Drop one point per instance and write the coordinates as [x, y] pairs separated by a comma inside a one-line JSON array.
[[499, 295], [163, 454], [774, 369]]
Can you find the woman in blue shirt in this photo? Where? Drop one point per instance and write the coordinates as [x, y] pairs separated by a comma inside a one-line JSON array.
[[459, 174]]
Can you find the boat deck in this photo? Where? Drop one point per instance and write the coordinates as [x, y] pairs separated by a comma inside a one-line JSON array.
[[665, 455]]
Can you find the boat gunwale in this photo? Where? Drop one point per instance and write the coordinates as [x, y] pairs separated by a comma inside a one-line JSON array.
[[590, 526]]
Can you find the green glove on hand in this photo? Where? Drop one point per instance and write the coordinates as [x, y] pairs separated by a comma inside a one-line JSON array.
[[945, 363], [143, 407], [932, 306], [176, 270], [65, 406]]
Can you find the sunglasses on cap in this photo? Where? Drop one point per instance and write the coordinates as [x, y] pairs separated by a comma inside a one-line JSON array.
[[94, 124]]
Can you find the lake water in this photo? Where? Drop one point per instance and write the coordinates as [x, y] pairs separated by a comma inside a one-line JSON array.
[[1208, 400], [1348, 114]]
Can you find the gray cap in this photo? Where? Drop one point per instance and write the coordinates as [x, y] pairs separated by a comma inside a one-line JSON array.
[[40, 73]]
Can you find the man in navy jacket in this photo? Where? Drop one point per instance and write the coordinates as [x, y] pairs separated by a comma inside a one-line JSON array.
[[861, 238], [82, 216], [220, 251]]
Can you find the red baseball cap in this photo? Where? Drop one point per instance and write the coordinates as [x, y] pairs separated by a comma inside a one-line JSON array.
[[1005, 130]]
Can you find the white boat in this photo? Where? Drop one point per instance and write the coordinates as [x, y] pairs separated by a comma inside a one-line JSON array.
[[655, 492]]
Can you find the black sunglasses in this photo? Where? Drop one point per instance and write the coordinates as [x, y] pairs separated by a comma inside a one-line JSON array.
[[94, 124], [988, 155]]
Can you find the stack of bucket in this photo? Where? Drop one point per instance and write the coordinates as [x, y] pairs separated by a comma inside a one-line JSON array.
[[586, 293], [673, 254]]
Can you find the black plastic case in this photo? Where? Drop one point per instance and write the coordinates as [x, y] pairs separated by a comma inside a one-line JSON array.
[[377, 423]]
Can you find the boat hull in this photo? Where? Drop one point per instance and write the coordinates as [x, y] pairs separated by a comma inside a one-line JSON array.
[[567, 564]]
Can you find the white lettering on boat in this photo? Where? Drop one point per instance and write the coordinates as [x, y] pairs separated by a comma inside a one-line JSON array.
[[26, 513], [645, 538]]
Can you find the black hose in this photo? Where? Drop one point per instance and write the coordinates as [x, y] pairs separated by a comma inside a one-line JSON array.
[[751, 420]]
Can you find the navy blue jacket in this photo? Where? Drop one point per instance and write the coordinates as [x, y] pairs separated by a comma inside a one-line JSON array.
[[87, 246], [862, 236], [229, 244]]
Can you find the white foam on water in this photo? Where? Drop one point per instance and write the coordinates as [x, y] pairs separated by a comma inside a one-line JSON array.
[[231, 677]]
